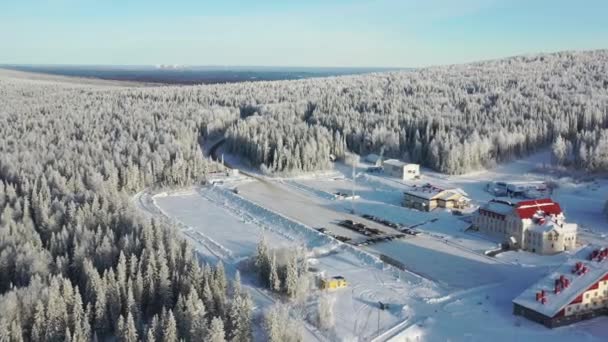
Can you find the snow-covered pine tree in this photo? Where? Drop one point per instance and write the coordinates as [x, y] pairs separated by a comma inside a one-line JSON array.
[[216, 330], [273, 276]]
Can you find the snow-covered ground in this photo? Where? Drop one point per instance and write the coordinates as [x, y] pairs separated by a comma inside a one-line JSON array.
[[209, 221], [224, 226], [451, 289]]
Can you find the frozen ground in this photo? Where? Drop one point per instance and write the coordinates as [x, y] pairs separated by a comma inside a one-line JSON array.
[[224, 226], [208, 220], [451, 291]]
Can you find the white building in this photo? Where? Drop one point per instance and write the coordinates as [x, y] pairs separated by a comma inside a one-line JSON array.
[[401, 170], [537, 226], [575, 291]]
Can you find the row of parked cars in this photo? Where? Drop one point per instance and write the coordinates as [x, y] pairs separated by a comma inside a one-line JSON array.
[[393, 225], [378, 239], [381, 221], [359, 227], [337, 237]]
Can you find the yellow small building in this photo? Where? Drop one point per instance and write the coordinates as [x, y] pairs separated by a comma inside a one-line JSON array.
[[336, 282]]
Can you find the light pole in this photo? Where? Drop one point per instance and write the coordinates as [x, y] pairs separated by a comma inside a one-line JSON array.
[[352, 198]]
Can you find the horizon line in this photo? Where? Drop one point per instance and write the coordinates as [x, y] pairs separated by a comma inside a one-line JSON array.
[[217, 66]]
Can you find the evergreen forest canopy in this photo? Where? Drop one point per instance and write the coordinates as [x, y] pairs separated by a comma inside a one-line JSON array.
[[453, 119], [78, 263]]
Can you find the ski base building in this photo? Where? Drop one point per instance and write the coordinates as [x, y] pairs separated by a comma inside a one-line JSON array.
[[576, 291], [428, 197], [537, 226]]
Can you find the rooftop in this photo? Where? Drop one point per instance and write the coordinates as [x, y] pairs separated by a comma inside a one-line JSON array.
[[429, 191], [596, 271], [549, 225], [394, 162], [527, 209], [372, 157], [499, 207]]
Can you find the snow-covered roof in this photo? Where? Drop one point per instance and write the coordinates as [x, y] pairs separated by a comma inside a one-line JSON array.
[[596, 271], [550, 225], [394, 162], [372, 158], [499, 207], [429, 191], [448, 194]]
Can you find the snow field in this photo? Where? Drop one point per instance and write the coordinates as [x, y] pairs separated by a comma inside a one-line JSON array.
[[213, 226], [369, 281]]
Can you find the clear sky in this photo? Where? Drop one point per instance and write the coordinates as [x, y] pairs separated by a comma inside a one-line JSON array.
[[396, 33]]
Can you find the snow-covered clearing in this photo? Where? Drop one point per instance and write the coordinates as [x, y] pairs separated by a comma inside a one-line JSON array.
[[202, 210], [451, 289], [210, 221]]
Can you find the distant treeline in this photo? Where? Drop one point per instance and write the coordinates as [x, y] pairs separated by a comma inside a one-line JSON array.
[[453, 119]]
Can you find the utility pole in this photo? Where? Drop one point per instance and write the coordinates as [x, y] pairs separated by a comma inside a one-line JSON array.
[[352, 199], [352, 301], [378, 329], [355, 158]]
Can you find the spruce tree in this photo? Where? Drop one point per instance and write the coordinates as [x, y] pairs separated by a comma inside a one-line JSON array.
[[216, 331], [39, 327], [291, 276], [236, 284], [169, 328], [273, 277]]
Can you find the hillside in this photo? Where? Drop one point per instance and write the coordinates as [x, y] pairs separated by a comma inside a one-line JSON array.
[[71, 155]]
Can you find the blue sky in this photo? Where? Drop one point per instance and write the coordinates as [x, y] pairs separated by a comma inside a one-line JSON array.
[[396, 33]]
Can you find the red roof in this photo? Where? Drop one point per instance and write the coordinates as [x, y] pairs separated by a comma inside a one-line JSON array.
[[527, 209]]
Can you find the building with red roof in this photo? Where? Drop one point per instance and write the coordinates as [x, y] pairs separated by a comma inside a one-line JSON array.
[[538, 226], [575, 291], [527, 209]]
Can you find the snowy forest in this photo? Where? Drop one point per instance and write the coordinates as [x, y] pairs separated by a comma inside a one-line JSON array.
[[587, 150], [78, 263], [453, 119]]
